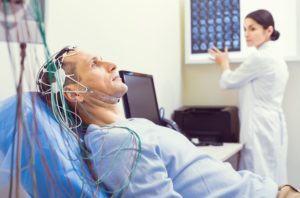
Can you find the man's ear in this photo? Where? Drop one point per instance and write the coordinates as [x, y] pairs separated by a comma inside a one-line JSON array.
[[71, 95]]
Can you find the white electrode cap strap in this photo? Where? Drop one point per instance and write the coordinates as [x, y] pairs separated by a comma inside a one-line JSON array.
[[60, 77]]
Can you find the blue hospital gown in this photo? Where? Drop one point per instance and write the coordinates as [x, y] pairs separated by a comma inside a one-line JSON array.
[[170, 165]]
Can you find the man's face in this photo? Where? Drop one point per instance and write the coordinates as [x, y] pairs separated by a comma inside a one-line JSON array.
[[97, 74]]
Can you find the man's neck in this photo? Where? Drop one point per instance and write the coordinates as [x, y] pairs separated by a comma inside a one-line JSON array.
[[101, 115]]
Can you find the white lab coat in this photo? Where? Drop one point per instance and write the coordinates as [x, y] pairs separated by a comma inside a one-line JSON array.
[[261, 80]]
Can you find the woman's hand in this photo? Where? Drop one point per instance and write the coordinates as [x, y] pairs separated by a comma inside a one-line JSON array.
[[221, 58]]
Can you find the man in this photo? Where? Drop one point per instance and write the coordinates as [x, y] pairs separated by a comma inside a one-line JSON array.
[[135, 157]]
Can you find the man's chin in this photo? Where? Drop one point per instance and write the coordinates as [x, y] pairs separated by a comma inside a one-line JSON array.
[[122, 92], [125, 89]]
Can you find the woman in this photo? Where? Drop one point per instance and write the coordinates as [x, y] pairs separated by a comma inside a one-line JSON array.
[[261, 80]]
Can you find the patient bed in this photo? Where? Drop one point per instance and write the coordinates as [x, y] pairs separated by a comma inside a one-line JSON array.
[[45, 154]]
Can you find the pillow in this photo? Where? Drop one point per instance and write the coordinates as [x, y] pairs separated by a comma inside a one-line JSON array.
[[50, 162]]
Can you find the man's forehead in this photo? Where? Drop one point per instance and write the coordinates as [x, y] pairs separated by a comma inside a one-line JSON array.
[[79, 56]]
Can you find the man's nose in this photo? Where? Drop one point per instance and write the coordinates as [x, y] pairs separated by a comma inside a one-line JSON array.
[[111, 67]]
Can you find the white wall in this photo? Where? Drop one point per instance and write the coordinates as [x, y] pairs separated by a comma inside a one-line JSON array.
[[291, 107], [138, 35]]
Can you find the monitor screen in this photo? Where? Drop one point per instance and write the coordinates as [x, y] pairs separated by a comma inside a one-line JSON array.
[[140, 100]]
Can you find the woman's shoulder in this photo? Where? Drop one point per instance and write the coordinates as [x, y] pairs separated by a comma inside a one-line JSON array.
[[269, 51], [259, 57], [255, 58]]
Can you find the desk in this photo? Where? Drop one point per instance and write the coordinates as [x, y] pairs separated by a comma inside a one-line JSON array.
[[228, 152]]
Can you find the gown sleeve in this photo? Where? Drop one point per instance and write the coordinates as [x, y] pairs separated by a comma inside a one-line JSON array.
[[255, 66]]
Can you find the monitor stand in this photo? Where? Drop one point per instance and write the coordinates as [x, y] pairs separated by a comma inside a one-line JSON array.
[[198, 142]]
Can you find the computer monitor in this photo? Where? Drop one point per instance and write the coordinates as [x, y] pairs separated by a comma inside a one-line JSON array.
[[140, 100]]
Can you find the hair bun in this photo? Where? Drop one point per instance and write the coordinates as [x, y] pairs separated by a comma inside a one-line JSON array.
[[275, 35]]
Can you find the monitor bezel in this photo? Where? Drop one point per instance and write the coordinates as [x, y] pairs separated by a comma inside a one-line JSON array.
[[123, 74]]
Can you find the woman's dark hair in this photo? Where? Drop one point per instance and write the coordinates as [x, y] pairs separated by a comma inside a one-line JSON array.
[[264, 18]]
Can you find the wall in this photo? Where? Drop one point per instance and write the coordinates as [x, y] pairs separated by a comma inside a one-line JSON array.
[[291, 107], [138, 35]]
